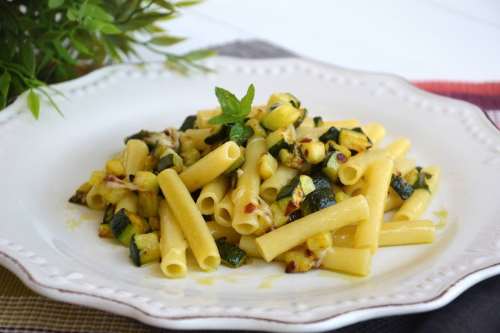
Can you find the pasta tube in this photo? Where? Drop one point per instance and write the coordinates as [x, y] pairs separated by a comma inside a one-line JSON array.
[[316, 132], [94, 198], [416, 205], [198, 136], [352, 261], [271, 187], [135, 156], [375, 131], [351, 171], [404, 165], [172, 244], [130, 202], [248, 244], [219, 231], [223, 213], [293, 234], [211, 194], [190, 220], [391, 234], [246, 195], [392, 201], [378, 180], [210, 166]]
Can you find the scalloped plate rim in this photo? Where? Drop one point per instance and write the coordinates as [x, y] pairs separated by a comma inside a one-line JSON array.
[[15, 264]]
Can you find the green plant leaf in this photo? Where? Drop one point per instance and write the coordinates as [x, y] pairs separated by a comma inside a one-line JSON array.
[[63, 53], [4, 88], [34, 103], [94, 11], [199, 54], [28, 58], [187, 3], [164, 4], [72, 14], [55, 3], [143, 20], [166, 40], [240, 133], [246, 101]]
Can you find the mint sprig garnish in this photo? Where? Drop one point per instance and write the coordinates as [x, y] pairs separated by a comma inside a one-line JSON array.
[[234, 113]]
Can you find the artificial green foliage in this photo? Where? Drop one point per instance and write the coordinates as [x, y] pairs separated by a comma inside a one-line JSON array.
[[50, 41]]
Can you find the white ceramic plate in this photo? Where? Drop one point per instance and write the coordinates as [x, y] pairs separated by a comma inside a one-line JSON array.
[[53, 247]]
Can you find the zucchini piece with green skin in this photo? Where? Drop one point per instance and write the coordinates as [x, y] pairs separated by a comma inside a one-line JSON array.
[[230, 254], [153, 139], [354, 139], [79, 198], [222, 135], [317, 200], [104, 228], [170, 160], [280, 139], [332, 134], [108, 214], [300, 120], [332, 164], [279, 98], [320, 180], [318, 121], [280, 116], [401, 187], [188, 123], [124, 225], [291, 195], [144, 248]]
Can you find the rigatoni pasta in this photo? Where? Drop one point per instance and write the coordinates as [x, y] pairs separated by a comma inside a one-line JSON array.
[[270, 182]]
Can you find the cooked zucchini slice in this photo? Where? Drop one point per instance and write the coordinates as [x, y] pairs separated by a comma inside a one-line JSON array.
[[332, 164], [230, 254], [401, 187], [291, 195], [280, 139], [317, 200], [280, 98], [144, 248], [313, 151], [170, 159], [320, 181], [109, 211], [302, 117], [125, 224], [280, 116], [354, 139], [220, 136], [332, 146], [332, 134], [292, 158], [318, 121], [104, 231], [167, 138], [188, 123]]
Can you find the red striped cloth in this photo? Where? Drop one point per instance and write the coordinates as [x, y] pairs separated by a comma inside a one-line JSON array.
[[486, 95]]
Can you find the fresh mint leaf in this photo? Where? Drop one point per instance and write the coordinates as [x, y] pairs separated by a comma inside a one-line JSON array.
[[240, 133], [34, 103], [233, 111], [246, 101]]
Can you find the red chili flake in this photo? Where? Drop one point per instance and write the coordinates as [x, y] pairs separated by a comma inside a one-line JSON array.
[[305, 140], [290, 208], [341, 158], [306, 153], [309, 253], [291, 267], [250, 208]]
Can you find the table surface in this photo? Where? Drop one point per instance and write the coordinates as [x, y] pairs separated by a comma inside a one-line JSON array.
[[427, 39]]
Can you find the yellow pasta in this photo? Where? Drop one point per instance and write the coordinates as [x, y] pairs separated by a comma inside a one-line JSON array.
[[286, 237], [375, 131], [211, 194], [135, 156], [210, 166], [270, 187], [246, 195], [417, 203], [170, 191], [352, 261], [391, 234], [190, 220], [378, 178], [223, 212], [172, 244]]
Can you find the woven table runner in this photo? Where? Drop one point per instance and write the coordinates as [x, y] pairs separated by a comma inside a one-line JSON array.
[[21, 310]]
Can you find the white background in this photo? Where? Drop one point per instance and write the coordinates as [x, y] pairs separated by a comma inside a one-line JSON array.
[[428, 39]]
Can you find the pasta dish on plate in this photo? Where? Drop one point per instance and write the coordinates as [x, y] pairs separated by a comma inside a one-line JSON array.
[[269, 182]]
